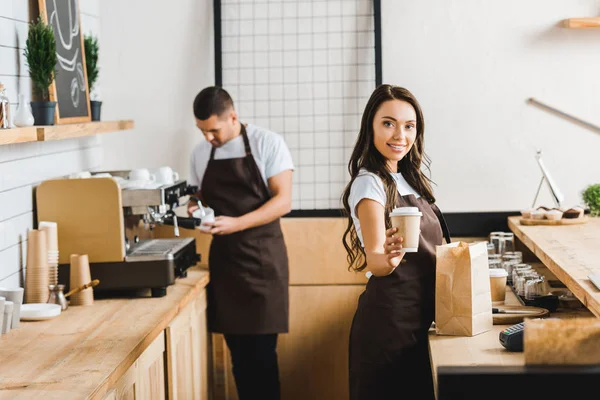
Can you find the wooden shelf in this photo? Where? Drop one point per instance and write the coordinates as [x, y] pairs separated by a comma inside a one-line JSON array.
[[18, 135], [578, 23], [58, 132]]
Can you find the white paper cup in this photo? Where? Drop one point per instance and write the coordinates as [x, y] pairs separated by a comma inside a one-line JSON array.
[[51, 229], [498, 278], [16, 296], [80, 275], [408, 222]]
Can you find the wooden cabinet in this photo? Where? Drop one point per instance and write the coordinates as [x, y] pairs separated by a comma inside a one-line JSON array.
[[126, 387], [151, 371], [145, 379], [187, 353], [203, 346], [185, 374]]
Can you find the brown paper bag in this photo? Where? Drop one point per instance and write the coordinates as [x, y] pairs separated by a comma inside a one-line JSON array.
[[463, 301]]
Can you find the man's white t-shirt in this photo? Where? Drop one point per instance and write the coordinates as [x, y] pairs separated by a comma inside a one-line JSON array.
[[368, 185], [269, 149]]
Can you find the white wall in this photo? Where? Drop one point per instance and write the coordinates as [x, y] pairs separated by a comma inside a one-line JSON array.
[[472, 64], [22, 166], [154, 57]]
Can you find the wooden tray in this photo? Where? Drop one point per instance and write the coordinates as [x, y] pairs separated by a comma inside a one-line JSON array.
[[563, 221], [507, 319]]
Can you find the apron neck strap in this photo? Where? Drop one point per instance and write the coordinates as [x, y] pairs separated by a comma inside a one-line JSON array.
[[440, 216], [246, 143]]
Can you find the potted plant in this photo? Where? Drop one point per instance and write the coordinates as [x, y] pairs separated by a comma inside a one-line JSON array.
[[591, 197], [91, 66], [40, 53]]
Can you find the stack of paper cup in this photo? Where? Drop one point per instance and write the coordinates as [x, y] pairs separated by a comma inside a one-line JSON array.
[[16, 296], [52, 237], [37, 275], [2, 301], [80, 275]]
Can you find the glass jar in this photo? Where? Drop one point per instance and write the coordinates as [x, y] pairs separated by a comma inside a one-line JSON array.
[[534, 288], [523, 281], [519, 269], [508, 263], [495, 261], [517, 254], [4, 109], [509, 241], [496, 238], [491, 248]]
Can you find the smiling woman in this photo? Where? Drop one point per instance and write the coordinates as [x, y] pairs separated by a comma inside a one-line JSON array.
[[388, 340]]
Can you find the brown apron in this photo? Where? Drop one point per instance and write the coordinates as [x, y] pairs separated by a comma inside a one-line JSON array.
[[389, 349], [248, 289]]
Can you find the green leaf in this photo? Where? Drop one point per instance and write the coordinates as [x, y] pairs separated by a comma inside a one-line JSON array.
[[91, 59], [40, 53], [591, 197]]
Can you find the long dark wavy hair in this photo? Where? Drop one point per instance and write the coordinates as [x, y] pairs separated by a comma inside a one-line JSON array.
[[365, 155]]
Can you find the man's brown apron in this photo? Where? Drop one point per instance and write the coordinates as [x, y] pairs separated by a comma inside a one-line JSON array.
[[248, 289], [389, 350]]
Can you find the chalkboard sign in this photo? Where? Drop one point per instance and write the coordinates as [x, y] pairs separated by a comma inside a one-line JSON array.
[[70, 87]]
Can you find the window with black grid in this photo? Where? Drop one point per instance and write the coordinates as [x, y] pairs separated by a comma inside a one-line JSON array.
[[303, 69]]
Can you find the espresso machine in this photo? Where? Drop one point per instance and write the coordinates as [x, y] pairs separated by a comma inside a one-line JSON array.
[[91, 215]]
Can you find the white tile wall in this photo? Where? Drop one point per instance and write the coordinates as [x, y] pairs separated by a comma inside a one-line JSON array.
[[304, 69], [23, 166]]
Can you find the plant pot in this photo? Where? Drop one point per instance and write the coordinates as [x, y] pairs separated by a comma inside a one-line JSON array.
[[43, 112], [95, 107]]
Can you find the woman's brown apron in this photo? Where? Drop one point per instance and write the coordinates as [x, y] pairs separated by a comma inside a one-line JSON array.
[[248, 289], [389, 350]]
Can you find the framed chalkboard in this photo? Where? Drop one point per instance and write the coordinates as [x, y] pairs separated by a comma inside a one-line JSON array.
[[70, 87]]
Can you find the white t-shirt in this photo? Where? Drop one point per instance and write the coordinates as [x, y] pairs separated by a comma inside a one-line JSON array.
[[367, 185], [270, 152]]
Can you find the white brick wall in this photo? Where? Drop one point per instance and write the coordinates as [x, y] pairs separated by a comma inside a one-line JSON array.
[[23, 166]]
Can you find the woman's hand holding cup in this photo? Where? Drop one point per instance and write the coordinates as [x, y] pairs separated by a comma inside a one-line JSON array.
[[393, 247]]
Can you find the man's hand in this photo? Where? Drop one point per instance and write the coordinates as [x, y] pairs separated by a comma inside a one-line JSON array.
[[224, 225]]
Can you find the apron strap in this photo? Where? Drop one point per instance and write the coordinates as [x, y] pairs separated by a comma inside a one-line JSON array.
[[246, 141], [252, 166], [442, 220]]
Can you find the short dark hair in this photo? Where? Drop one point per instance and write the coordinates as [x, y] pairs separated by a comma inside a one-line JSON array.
[[212, 100]]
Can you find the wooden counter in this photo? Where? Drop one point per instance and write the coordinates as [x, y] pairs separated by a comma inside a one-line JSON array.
[[485, 348], [571, 252], [87, 349]]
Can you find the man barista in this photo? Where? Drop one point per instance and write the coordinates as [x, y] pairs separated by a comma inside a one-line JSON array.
[[244, 173]]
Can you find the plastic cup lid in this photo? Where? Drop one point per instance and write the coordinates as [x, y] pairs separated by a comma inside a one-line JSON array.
[[405, 211], [498, 272]]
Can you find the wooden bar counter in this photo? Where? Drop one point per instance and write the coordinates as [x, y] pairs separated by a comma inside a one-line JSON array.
[[116, 348], [485, 348], [571, 252]]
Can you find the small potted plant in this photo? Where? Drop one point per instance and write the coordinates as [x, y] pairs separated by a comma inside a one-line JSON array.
[[91, 66], [40, 53], [591, 197]]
